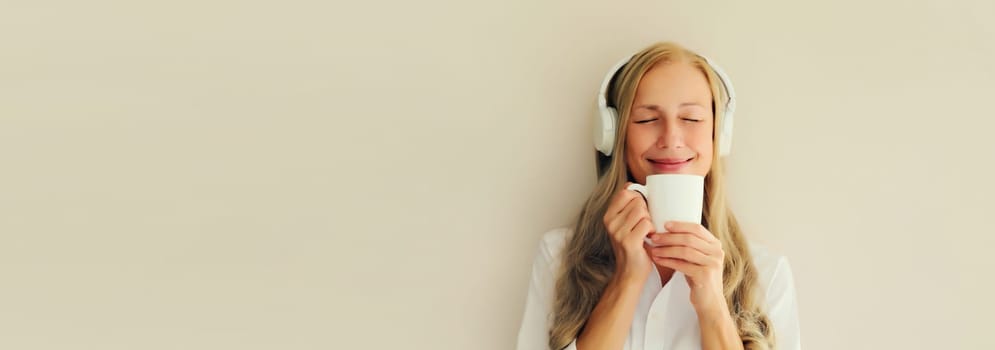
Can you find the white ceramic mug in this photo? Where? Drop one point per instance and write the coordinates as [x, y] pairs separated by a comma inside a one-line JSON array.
[[673, 197]]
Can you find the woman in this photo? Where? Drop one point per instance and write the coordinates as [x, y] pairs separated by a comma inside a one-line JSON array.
[[600, 285]]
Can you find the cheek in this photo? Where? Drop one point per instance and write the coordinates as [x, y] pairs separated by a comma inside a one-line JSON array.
[[699, 138], [638, 141], [703, 145], [636, 144]]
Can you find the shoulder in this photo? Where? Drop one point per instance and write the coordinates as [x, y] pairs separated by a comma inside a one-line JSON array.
[[552, 242], [779, 296], [551, 246], [766, 260], [547, 259], [773, 270]]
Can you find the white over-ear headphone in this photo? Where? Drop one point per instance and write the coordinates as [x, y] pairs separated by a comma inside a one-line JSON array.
[[606, 118]]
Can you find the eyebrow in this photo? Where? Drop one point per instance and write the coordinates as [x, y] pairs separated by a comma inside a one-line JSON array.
[[657, 108]]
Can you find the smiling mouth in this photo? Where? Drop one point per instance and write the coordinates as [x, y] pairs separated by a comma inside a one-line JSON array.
[[669, 165], [670, 161]]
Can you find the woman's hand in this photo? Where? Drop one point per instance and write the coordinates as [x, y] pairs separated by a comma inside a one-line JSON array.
[[694, 251], [627, 220]]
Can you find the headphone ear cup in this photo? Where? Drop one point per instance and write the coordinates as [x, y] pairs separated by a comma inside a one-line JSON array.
[[604, 130], [725, 136]]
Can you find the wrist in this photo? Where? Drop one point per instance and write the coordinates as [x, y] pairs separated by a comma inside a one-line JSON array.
[[630, 279], [714, 317], [714, 309]]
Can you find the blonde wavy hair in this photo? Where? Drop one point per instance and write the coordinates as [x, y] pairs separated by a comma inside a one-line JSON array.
[[588, 259]]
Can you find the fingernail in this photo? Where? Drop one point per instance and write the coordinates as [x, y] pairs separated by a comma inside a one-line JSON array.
[[668, 225]]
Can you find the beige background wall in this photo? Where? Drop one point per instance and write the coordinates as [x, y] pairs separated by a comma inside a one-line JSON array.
[[376, 175]]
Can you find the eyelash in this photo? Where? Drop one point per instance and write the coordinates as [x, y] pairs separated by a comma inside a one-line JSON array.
[[649, 120]]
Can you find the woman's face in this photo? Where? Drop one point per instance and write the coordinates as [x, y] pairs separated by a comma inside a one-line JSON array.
[[670, 124]]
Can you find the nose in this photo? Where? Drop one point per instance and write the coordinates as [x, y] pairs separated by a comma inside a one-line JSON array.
[[671, 136]]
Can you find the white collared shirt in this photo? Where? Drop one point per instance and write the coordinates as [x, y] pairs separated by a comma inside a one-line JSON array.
[[664, 317]]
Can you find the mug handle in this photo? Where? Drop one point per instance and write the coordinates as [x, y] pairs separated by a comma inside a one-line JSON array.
[[638, 188], [642, 191]]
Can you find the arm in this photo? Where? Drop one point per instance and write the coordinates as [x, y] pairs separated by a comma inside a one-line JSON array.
[[609, 323], [602, 331], [627, 221], [718, 330]]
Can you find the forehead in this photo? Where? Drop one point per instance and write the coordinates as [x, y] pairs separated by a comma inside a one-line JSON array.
[[673, 83]]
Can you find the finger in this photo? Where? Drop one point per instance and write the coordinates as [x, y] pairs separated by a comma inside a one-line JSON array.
[[634, 217], [642, 229], [691, 227], [684, 239], [684, 267], [620, 200], [688, 254], [619, 222]]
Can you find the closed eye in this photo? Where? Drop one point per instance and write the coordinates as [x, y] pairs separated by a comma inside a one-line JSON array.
[[654, 119]]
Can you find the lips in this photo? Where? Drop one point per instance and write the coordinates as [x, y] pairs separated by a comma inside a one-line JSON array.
[[671, 161], [669, 165]]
